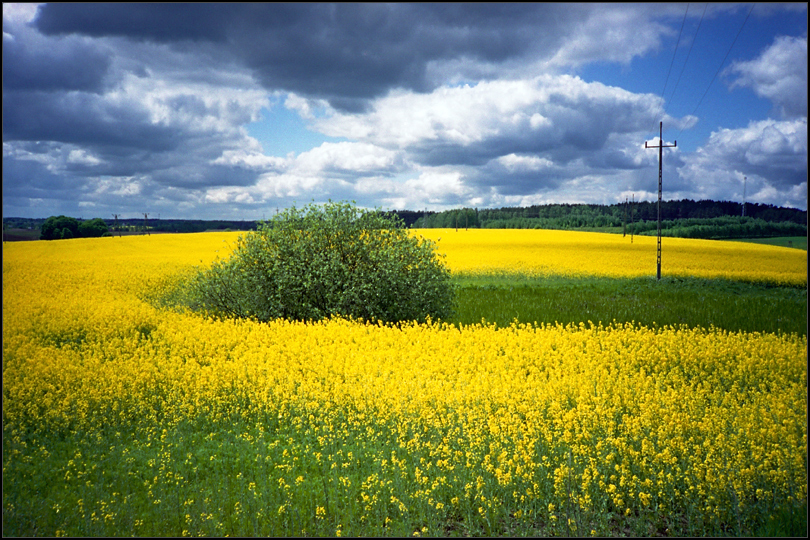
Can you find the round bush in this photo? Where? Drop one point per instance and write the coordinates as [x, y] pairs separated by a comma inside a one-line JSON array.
[[55, 226], [327, 260]]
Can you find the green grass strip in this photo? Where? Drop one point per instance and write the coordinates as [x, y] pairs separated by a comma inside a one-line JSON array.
[[730, 305]]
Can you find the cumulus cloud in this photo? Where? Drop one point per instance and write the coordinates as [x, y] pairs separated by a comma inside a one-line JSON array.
[[121, 125], [349, 159], [33, 63], [771, 154], [513, 137], [113, 106], [472, 122], [350, 53], [778, 74], [611, 34], [439, 186]]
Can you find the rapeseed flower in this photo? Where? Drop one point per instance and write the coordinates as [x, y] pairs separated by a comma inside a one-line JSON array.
[[349, 422], [573, 253]]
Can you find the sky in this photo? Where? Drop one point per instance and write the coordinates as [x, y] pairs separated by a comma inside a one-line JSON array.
[[234, 111]]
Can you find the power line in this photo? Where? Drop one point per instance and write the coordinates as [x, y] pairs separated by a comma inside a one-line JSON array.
[[688, 54], [721, 63], [660, 104], [677, 44]]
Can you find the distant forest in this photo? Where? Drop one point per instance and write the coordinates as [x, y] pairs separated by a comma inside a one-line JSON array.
[[683, 218], [135, 225]]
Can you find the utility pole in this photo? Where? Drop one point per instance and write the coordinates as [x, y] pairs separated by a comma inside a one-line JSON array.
[[116, 225], [660, 147], [624, 219], [632, 209], [745, 180], [146, 223]]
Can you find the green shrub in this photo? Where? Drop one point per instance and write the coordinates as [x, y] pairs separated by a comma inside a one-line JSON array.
[[54, 227], [93, 228], [59, 227], [321, 261]]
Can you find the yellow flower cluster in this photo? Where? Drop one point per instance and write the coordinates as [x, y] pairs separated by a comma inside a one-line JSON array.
[[600, 254], [432, 420]]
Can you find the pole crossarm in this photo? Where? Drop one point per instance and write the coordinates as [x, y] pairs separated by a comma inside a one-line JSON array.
[[660, 147]]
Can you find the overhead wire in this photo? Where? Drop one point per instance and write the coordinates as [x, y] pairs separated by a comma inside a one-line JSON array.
[[666, 81], [688, 54], [721, 64]]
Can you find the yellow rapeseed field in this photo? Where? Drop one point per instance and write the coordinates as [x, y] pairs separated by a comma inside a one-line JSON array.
[[576, 253], [181, 425]]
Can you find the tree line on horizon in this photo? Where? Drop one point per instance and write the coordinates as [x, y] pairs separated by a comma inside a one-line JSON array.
[[64, 227], [684, 218]]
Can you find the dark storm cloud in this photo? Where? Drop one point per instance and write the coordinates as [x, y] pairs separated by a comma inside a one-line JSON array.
[[162, 22], [346, 53], [350, 52], [514, 181], [126, 109], [72, 65], [149, 106], [28, 178], [75, 117], [189, 175], [562, 148]]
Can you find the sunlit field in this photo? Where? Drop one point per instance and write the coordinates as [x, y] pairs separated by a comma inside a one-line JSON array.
[[573, 253], [124, 418]]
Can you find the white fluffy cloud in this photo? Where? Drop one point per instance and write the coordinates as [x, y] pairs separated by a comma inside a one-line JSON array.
[[330, 167], [127, 107], [508, 140], [611, 34], [778, 74], [459, 142], [541, 111], [771, 154]]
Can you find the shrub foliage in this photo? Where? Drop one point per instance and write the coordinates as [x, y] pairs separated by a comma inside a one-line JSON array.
[[55, 226], [327, 260], [63, 227], [93, 228]]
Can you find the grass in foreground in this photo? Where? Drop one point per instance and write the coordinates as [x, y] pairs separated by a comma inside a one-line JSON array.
[[798, 242], [730, 305], [175, 425], [123, 419]]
